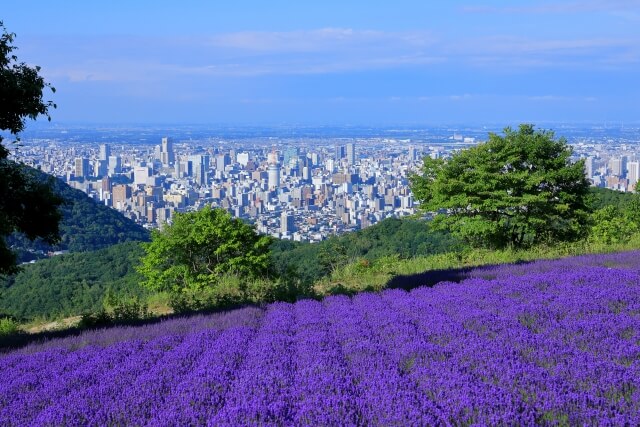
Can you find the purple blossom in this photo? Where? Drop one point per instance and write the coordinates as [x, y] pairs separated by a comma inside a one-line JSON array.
[[548, 342]]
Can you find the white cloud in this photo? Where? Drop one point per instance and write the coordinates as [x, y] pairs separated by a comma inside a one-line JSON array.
[[322, 51], [320, 40]]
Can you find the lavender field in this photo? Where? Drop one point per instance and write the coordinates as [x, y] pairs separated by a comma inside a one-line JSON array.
[[550, 342]]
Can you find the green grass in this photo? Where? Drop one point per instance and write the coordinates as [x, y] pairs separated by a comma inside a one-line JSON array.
[[363, 275]]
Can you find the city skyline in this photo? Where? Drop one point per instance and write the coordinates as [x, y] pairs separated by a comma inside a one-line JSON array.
[[334, 62]]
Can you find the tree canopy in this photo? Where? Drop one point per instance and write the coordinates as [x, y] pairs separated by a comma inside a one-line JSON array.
[[198, 248], [27, 205], [516, 189]]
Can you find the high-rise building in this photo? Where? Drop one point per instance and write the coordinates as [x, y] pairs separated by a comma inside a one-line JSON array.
[[81, 167], [167, 156], [287, 223], [633, 173], [615, 166], [341, 152], [306, 173], [274, 176], [351, 153], [106, 184], [121, 196], [140, 175], [590, 166], [243, 159], [222, 161], [100, 167], [200, 164], [115, 165], [413, 154], [105, 152]]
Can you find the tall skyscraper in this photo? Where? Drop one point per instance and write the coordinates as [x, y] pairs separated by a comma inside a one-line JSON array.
[[633, 173], [105, 152], [341, 152], [590, 166], [286, 223], [615, 166], [101, 168], [167, 156], [115, 165], [351, 153], [413, 154], [81, 167], [222, 161], [274, 176]]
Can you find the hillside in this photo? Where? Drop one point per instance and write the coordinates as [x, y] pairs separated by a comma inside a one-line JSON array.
[[542, 343], [86, 225], [75, 283], [71, 284]]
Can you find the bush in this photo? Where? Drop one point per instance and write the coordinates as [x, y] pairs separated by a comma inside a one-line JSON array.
[[232, 291], [117, 310], [8, 326]]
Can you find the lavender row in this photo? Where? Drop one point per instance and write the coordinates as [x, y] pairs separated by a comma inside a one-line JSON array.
[[550, 342]]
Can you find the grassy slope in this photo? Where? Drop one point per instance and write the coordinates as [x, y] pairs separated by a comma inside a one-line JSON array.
[[365, 276]]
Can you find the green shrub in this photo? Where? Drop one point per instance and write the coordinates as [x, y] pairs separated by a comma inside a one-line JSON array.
[[233, 290], [117, 309], [8, 326]]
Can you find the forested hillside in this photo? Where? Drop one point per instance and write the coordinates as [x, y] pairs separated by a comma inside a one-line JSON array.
[[74, 283], [71, 284], [86, 225]]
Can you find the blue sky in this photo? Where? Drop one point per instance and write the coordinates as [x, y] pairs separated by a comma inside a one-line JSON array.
[[334, 62]]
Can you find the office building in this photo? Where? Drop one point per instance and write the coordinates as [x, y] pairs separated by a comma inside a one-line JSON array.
[[105, 152], [351, 153], [167, 156], [81, 167]]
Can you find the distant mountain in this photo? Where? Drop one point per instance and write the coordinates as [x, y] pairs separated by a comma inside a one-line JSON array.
[[86, 226]]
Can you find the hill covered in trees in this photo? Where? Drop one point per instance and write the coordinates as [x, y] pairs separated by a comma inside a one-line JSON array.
[[86, 225], [75, 283], [71, 284]]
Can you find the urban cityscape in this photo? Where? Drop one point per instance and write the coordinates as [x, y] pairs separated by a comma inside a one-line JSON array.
[[303, 188]]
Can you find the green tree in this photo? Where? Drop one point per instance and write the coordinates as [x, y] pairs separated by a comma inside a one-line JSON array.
[[611, 225], [27, 205], [199, 248], [513, 190]]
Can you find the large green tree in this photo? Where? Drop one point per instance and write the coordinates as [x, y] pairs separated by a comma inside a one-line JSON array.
[[516, 189], [199, 248], [27, 205]]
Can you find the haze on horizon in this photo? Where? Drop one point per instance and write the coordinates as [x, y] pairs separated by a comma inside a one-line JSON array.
[[334, 62]]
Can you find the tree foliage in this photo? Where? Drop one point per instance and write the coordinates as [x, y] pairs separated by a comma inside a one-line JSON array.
[[85, 225], [72, 284], [199, 248], [615, 223], [27, 205], [405, 238], [514, 190]]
